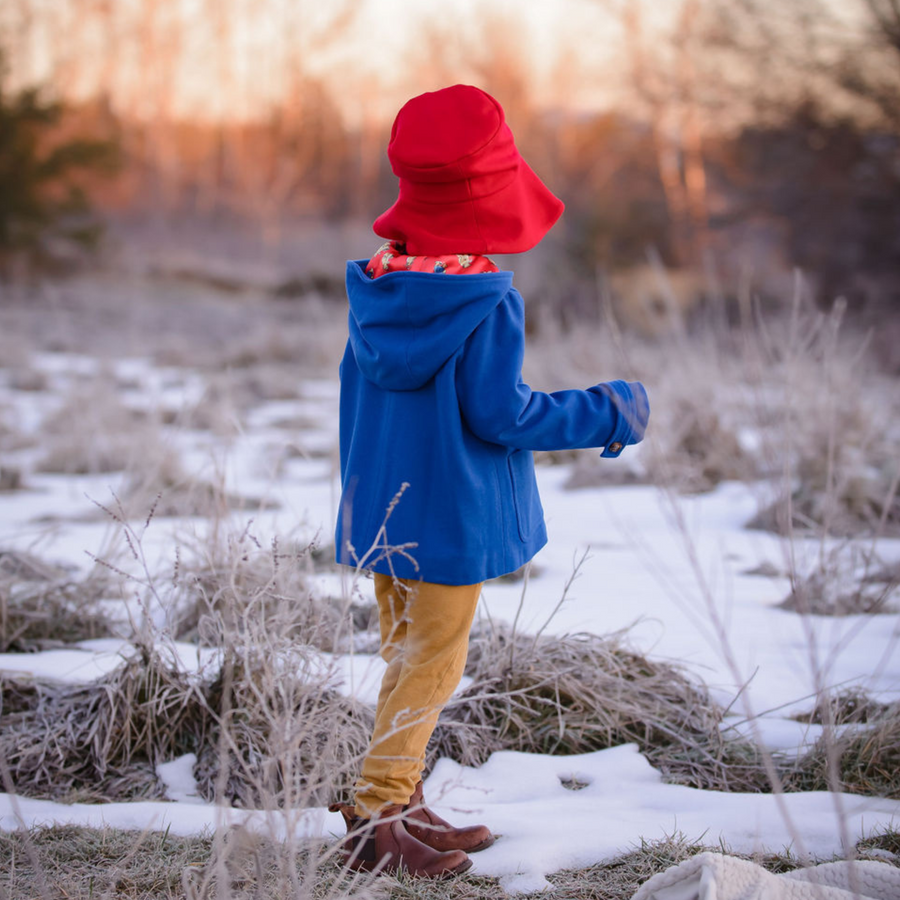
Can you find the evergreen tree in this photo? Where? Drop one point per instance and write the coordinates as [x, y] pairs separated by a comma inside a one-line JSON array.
[[44, 209]]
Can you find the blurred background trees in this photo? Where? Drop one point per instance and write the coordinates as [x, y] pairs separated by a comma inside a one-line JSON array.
[[45, 165], [722, 140]]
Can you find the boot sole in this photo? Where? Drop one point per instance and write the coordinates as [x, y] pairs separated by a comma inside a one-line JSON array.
[[483, 845]]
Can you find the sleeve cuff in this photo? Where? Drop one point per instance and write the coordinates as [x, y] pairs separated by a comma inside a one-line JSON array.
[[633, 408]]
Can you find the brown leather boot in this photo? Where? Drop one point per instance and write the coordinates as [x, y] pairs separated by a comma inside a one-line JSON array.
[[432, 830], [385, 844]]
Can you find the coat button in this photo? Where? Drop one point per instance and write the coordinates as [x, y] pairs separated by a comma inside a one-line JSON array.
[[614, 447]]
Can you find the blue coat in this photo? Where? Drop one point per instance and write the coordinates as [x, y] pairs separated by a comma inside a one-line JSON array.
[[433, 405]]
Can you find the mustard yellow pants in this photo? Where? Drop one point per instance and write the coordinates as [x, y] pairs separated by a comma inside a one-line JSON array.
[[424, 640]]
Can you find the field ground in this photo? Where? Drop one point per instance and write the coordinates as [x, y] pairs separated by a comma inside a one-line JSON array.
[[661, 657]]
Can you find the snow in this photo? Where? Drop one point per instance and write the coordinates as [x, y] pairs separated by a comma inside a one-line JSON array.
[[182, 818], [674, 571], [178, 778], [546, 827], [543, 827]]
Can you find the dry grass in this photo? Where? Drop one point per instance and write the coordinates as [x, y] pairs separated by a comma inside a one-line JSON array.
[[886, 840], [11, 479], [93, 431], [861, 497], [18, 696], [821, 594], [283, 731], [270, 730], [789, 398], [85, 863], [846, 580], [862, 759], [833, 430], [88, 863], [268, 725], [284, 735], [581, 693], [284, 340], [43, 605], [845, 708], [289, 737], [231, 584], [102, 740], [26, 378], [163, 484]]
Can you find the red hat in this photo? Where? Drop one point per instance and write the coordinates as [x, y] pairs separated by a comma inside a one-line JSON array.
[[463, 186]]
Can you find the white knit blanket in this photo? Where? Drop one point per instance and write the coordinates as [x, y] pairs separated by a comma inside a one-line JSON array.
[[712, 876]]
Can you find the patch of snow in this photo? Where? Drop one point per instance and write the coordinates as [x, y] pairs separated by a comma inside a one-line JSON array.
[[178, 778], [545, 828], [70, 666], [542, 827]]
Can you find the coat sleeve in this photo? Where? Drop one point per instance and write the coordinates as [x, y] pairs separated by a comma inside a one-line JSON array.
[[499, 407]]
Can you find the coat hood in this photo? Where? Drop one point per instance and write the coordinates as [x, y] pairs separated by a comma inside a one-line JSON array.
[[405, 325]]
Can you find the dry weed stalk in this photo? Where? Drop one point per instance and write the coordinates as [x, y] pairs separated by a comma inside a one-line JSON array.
[[225, 583]]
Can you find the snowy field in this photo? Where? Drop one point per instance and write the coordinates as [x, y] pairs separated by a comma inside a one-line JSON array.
[[682, 573]]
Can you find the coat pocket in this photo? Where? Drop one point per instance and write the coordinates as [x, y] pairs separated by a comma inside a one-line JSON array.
[[529, 513]]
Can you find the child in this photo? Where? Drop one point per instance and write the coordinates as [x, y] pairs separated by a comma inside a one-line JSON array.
[[433, 409]]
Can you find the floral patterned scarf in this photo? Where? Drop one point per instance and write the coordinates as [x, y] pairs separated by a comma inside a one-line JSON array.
[[392, 257]]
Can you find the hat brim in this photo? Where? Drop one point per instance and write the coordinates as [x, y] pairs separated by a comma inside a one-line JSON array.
[[511, 220]]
